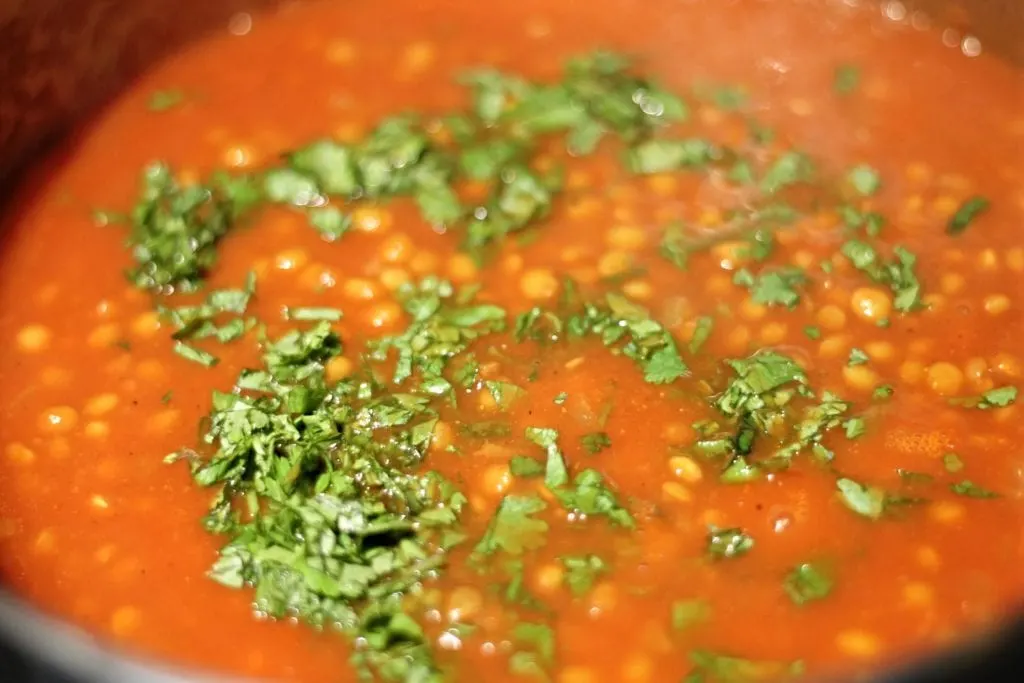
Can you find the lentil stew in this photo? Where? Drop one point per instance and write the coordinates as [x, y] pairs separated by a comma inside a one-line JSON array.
[[580, 342]]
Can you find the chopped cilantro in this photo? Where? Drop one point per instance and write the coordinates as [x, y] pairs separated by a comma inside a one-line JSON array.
[[846, 79], [175, 229], [854, 427], [646, 341], [952, 462], [581, 571], [898, 274], [857, 357], [867, 501], [659, 156], [556, 474], [808, 582], [514, 528], [701, 333], [788, 169], [162, 100], [966, 214], [687, 613], [883, 392], [773, 287], [504, 393], [812, 332], [864, 180], [914, 477], [714, 666], [591, 497], [728, 543], [971, 490], [993, 398], [522, 466], [595, 442], [191, 353], [312, 313]]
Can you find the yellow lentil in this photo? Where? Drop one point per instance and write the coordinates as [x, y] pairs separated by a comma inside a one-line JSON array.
[[945, 379], [538, 284], [996, 304], [685, 468], [871, 304], [33, 338], [58, 420]]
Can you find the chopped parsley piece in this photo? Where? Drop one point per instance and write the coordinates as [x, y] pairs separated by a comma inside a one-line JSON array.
[[846, 79], [191, 353], [162, 100], [522, 466], [728, 543], [595, 442], [864, 180], [813, 332], [914, 477], [312, 313], [788, 169], [866, 501], [971, 490], [660, 156], [952, 462], [561, 398], [993, 398], [966, 214], [556, 473], [581, 571], [854, 427], [883, 392], [591, 497], [857, 357], [514, 528], [701, 333], [808, 582], [646, 341], [504, 393], [773, 287], [674, 247], [897, 274], [713, 666], [339, 523], [175, 229], [687, 613], [537, 649]]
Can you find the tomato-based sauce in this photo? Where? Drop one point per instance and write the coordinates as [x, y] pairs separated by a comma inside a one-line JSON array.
[[657, 340]]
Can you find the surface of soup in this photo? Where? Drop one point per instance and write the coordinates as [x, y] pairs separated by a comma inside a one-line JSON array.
[[583, 342]]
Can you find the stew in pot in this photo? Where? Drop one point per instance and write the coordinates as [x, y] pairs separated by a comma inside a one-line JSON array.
[[557, 341]]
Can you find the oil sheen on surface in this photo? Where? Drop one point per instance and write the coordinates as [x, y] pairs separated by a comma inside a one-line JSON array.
[[96, 528]]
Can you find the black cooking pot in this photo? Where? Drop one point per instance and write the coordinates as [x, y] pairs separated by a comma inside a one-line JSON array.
[[60, 59]]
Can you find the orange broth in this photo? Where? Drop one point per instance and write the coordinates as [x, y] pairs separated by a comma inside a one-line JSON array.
[[96, 528]]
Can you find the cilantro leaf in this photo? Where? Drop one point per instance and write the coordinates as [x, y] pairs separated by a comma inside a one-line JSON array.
[[514, 528], [966, 214], [595, 442], [846, 79], [687, 613], [728, 543], [808, 582], [867, 501], [590, 496], [581, 571], [971, 490], [773, 287], [864, 180], [556, 474], [999, 397]]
